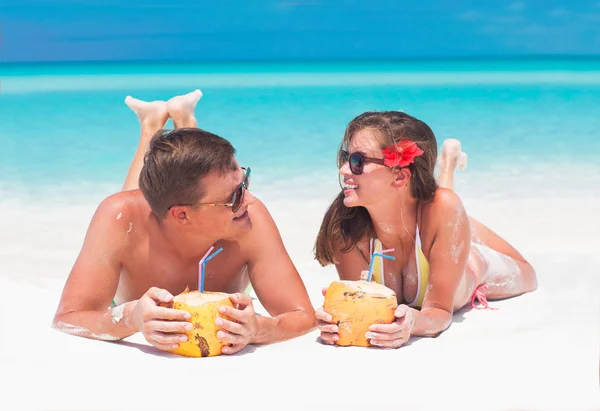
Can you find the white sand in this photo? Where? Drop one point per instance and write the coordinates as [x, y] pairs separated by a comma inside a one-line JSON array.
[[539, 351]]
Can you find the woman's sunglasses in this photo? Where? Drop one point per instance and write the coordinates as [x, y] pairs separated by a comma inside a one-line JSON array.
[[236, 200], [357, 161]]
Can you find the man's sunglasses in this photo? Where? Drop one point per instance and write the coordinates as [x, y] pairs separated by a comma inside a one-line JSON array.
[[357, 161], [236, 200]]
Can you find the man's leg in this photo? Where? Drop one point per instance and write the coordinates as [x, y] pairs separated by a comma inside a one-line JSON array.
[[152, 117], [181, 109]]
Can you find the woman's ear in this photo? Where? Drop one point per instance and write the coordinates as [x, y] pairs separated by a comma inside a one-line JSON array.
[[401, 177]]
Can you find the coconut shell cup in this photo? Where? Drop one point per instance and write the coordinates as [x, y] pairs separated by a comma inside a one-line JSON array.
[[204, 309], [355, 306]]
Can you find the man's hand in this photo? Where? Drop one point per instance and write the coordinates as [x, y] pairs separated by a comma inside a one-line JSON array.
[[159, 325], [241, 332]]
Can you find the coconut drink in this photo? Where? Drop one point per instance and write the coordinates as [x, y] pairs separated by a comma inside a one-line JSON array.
[[204, 309], [355, 306], [203, 306]]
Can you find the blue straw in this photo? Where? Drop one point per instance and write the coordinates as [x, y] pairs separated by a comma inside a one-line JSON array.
[[389, 257], [204, 264]]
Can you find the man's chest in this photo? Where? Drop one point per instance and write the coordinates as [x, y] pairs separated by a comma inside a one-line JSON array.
[[225, 272]]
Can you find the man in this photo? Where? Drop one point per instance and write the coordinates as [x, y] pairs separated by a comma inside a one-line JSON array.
[[143, 244]]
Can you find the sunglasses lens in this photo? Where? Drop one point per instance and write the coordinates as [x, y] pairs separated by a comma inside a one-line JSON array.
[[238, 196], [357, 163], [343, 157], [236, 201]]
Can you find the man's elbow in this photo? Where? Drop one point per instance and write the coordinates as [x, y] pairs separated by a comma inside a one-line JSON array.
[[61, 323], [58, 322]]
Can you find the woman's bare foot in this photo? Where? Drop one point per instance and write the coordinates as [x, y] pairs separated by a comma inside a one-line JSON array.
[[152, 114], [181, 109], [451, 156]]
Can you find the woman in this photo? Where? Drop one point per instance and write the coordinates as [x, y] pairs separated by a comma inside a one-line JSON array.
[[444, 259]]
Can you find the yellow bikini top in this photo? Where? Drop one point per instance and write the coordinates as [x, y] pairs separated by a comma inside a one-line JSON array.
[[422, 268]]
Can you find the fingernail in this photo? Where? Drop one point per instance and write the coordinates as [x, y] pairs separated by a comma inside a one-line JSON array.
[[218, 321], [369, 335], [183, 338], [220, 334], [225, 350], [188, 326], [335, 338], [187, 316], [374, 342], [335, 328], [328, 318], [175, 346], [222, 309]]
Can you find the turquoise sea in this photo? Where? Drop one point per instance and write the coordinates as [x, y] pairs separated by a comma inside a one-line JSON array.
[[66, 124]]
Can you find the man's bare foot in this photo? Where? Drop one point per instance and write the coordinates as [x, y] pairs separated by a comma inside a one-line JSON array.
[[153, 114], [451, 156], [181, 109]]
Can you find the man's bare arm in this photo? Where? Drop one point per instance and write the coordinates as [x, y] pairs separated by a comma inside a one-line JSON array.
[[276, 283], [84, 305]]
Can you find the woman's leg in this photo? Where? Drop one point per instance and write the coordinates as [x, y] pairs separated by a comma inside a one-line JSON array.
[[153, 117], [492, 260], [499, 265]]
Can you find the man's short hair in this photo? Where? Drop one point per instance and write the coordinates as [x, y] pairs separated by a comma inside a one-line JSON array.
[[175, 163]]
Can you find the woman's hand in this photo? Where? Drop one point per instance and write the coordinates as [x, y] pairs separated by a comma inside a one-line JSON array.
[[329, 331], [396, 334]]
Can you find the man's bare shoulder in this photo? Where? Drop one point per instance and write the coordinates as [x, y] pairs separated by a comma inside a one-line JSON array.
[[121, 210], [259, 211], [264, 229]]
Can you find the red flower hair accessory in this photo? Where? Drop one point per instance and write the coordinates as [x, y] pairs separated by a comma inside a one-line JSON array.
[[401, 154]]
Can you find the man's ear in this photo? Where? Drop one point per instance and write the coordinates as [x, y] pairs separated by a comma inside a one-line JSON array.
[[179, 214], [401, 177]]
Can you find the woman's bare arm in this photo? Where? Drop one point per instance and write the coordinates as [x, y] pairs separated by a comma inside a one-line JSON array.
[[447, 263]]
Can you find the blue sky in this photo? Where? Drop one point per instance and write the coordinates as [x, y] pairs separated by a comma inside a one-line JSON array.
[[234, 30]]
